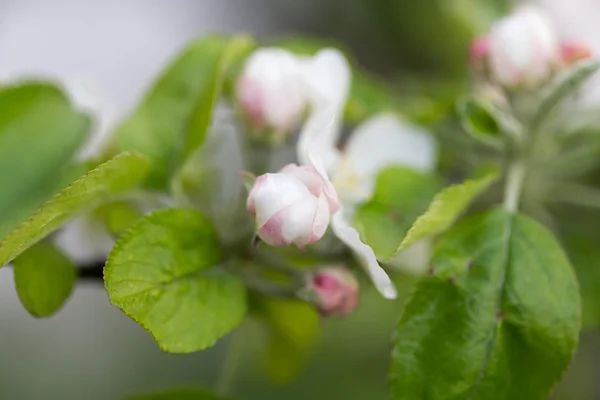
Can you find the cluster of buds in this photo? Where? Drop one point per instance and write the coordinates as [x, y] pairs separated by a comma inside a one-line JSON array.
[[296, 205], [524, 50]]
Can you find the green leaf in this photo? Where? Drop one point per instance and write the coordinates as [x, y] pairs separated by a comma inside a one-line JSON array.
[[479, 121], [445, 208], [401, 195], [498, 318], [118, 216], [180, 394], [39, 133], [162, 273], [44, 279], [173, 119], [293, 327], [566, 86], [585, 256], [117, 175]]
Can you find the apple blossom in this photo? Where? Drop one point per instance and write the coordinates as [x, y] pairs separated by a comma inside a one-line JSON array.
[[292, 206], [269, 89], [296, 205], [523, 48]]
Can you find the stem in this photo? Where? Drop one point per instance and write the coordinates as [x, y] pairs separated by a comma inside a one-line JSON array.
[[251, 273], [230, 364], [514, 185]]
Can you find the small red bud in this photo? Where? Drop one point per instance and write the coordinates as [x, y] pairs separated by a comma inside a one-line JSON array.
[[478, 52], [335, 291], [571, 52]]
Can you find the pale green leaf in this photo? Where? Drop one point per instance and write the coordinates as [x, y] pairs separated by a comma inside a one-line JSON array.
[[179, 394], [122, 173], [39, 133], [163, 273], [173, 119], [445, 208], [478, 120], [498, 318], [292, 330], [44, 279]]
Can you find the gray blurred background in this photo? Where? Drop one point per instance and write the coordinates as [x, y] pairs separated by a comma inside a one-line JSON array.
[[90, 350]]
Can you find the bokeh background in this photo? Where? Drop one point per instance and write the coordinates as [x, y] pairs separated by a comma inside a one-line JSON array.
[[90, 350]]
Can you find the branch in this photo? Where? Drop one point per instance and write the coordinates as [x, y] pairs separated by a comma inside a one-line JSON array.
[[92, 272]]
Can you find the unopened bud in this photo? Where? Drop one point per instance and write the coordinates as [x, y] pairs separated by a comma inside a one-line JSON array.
[[523, 48], [270, 90], [478, 53], [572, 52], [293, 206], [334, 291]]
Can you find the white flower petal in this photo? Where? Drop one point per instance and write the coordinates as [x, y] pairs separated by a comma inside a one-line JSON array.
[[349, 235], [327, 78], [316, 183], [294, 223], [317, 139], [382, 141], [273, 192]]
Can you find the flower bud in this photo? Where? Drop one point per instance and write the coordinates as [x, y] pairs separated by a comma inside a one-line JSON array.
[[478, 53], [572, 52], [523, 48], [334, 291], [270, 90], [293, 206]]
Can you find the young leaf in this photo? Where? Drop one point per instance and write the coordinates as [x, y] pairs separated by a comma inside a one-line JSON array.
[[445, 208], [401, 195], [173, 120], [479, 121], [30, 204], [117, 175], [39, 133], [44, 279], [293, 326], [180, 394], [498, 318], [566, 86], [163, 274]]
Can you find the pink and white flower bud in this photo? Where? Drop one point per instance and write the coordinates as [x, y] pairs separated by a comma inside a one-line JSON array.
[[270, 90], [574, 51], [523, 48], [334, 291], [478, 53], [293, 206]]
